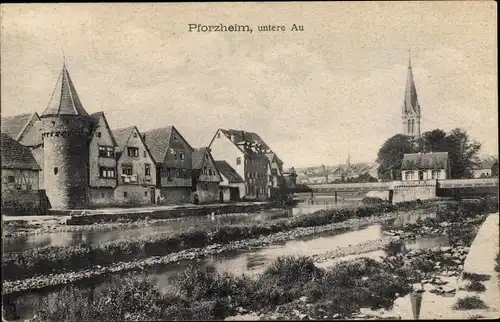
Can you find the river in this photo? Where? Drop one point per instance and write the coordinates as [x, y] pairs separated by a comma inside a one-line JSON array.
[[255, 260]]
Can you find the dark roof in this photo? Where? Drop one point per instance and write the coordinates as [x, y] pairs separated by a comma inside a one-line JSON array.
[[198, 157], [95, 121], [243, 136], [424, 161], [227, 171], [486, 163], [122, 135], [16, 156], [14, 125], [158, 141], [64, 99]]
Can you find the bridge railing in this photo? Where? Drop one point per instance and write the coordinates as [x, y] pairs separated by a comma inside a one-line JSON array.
[[354, 186], [459, 183]]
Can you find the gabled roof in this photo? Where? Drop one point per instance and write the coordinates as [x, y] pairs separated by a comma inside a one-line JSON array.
[[486, 163], [16, 156], [425, 161], [95, 120], [228, 172], [198, 157], [158, 141], [64, 99], [15, 125], [122, 135]]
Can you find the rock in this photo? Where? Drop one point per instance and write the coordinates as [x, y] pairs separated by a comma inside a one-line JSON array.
[[336, 316], [296, 312], [304, 317], [303, 299], [436, 249], [448, 289], [365, 278]]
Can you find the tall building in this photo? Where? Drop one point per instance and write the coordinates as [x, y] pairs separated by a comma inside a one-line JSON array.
[[66, 132], [411, 114]]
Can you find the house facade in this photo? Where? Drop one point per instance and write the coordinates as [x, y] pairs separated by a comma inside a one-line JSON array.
[[173, 156], [135, 168], [20, 178], [232, 185], [102, 162], [486, 168], [245, 152], [205, 178], [425, 166]]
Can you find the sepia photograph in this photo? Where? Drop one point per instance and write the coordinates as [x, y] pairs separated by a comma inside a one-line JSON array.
[[247, 161]]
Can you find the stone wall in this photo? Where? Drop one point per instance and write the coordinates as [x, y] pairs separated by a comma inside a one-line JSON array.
[[172, 196], [66, 155], [208, 192], [21, 203], [408, 190], [102, 196], [133, 194]]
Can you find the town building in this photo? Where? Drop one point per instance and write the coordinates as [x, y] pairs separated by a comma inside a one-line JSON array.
[[275, 175], [425, 166], [20, 179], [102, 161], [135, 168], [245, 152], [486, 168], [205, 178], [173, 156], [232, 185], [411, 113], [26, 129]]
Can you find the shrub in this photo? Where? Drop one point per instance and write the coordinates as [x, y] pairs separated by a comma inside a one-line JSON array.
[[470, 303], [475, 277], [475, 286]]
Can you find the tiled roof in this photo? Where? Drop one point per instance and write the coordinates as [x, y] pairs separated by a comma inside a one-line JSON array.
[[65, 100], [158, 141], [425, 161], [198, 157], [122, 135], [486, 163], [243, 136], [227, 171], [16, 156], [95, 121], [13, 125]]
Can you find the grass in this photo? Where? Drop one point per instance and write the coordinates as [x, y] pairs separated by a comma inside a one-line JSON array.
[[470, 303], [50, 259], [203, 294], [475, 286]]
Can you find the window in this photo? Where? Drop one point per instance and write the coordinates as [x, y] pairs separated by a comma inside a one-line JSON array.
[[135, 134], [178, 174], [147, 169], [181, 155], [175, 138], [106, 151], [146, 193], [204, 170], [28, 186], [409, 175], [218, 135], [209, 172], [144, 153], [11, 179], [133, 152], [409, 127], [175, 155], [185, 173], [102, 194], [127, 169], [238, 160], [206, 156], [168, 172], [98, 134], [435, 174], [106, 172], [125, 194], [56, 170]]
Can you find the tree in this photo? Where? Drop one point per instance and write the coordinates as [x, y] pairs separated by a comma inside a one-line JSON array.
[[462, 152], [390, 156], [432, 141]]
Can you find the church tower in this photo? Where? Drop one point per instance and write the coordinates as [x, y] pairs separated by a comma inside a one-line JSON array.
[[411, 109], [65, 132]]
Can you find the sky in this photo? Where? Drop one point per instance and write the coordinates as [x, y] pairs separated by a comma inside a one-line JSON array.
[[337, 87]]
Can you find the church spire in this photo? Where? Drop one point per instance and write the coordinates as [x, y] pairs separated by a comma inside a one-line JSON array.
[[411, 108]]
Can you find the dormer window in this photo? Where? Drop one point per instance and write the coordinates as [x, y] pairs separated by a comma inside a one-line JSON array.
[[98, 134], [135, 134]]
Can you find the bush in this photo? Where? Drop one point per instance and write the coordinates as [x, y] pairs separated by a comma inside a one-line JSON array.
[[470, 303], [475, 286]]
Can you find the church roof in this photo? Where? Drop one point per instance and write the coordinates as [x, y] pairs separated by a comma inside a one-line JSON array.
[[425, 161], [410, 101], [16, 156], [64, 99]]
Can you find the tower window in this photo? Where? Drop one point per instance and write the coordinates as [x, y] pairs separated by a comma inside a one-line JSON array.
[[98, 134], [56, 170]]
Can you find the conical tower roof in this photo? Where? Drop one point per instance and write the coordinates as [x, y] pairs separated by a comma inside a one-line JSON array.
[[64, 99]]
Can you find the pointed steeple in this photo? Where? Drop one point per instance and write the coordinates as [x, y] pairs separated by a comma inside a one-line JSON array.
[[410, 102], [64, 99]]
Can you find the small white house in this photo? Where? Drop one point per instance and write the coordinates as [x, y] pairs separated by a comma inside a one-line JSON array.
[[425, 166]]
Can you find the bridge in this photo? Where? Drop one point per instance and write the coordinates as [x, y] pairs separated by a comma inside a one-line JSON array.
[[411, 190]]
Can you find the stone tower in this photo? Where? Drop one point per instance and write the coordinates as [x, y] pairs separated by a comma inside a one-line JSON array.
[[411, 109], [66, 132]]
